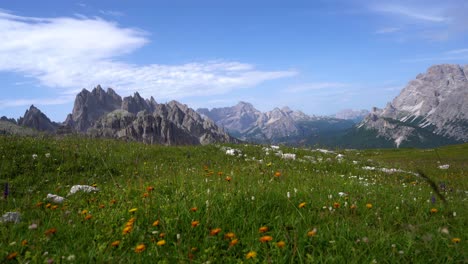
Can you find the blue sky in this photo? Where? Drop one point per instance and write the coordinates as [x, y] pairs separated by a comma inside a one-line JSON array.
[[315, 56]]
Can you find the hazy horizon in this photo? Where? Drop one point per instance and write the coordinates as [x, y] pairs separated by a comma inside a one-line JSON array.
[[318, 57]]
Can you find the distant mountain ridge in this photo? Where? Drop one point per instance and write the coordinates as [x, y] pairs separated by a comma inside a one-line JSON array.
[[280, 125]]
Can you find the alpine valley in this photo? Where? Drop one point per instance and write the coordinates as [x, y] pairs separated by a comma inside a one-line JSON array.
[[432, 110]]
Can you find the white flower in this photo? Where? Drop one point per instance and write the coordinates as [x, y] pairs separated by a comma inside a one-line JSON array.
[[178, 236], [288, 195], [253, 198], [71, 258], [34, 156], [47, 155]]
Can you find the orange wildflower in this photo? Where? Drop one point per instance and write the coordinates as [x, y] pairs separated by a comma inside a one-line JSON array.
[[434, 210], [215, 231], [228, 179], [280, 244], [302, 205], [312, 232], [336, 205], [277, 174], [24, 242], [156, 223], [113, 201], [88, 217], [263, 229], [456, 240], [140, 248], [48, 205], [145, 195], [264, 239], [369, 206], [150, 188], [251, 255], [101, 206], [50, 231], [233, 242], [195, 223], [12, 256], [39, 204], [220, 173], [193, 209], [353, 206], [127, 230], [115, 243], [53, 207], [162, 235], [161, 243]]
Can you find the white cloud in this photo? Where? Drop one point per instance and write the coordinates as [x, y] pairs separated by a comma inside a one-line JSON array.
[[113, 13], [315, 86], [70, 53], [457, 51], [39, 101]]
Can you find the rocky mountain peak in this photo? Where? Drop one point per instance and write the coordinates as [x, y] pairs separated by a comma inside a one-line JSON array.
[[34, 118]]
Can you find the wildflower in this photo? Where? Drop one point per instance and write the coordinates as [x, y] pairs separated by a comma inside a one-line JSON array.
[[265, 239], [88, 217], [263, 229], [156, 223], [113, 201], [162, 235], [145, 195], [24, 242], [133, 210], [368, 205], [48, 205], [312, 232], [12, 256], [277, 174], [71, 258], [47, 155], [220, 173], [251, 254], [161, 243], [434, 210], [336, 205], [302, 205], [127, 230], [150, 188], [140, 248], [228, 179], [53, 207], [32, 226], [280, 244], [215, 231], [456, 240], [195, 223], [193, 209], [233, 242], [115, 243], [230, 235], [102, 206], [34, 156], [39, 204], [353, 206], [288, 195], [269, 164], [50, 231], [84, 211]]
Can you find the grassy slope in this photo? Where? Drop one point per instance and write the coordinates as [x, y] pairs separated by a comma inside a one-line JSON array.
[[398, 227]]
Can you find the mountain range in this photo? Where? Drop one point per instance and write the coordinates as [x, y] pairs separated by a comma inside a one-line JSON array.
[[431, 110]]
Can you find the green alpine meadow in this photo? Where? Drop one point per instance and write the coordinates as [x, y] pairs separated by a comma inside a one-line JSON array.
[[229, 203]]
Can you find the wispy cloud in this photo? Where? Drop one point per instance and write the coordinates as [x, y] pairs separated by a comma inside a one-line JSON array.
[[113, 13], [387, 30], [457, 51], [39, 101], [412, 13], [315, 86], [70, 53]]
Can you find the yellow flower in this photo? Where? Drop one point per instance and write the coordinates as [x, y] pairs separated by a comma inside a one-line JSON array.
[[140, 248], [456, 240], [195, 223], [312, 232], [161, 243], [156, 223], [230, 235], [24, 242], [369, 206], [115, 243], [434, 210], [215, 231], [264, 239], [281, 244], [133, 210], [302, 205], [251, 254], [263, 229]]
